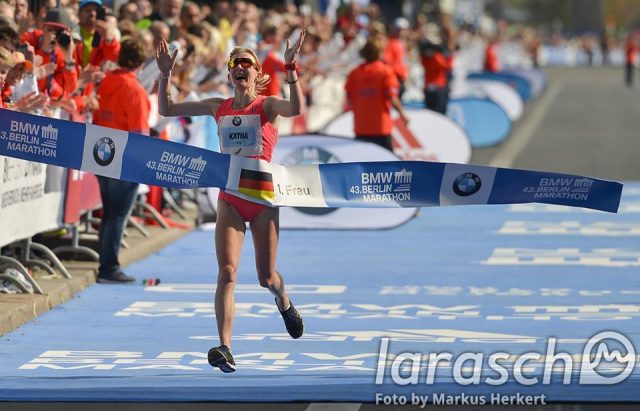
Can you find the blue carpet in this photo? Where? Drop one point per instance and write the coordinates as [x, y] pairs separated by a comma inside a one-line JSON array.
[[477, 279]]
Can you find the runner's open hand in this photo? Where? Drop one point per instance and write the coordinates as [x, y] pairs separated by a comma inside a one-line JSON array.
[[164, 59], [291, 52]]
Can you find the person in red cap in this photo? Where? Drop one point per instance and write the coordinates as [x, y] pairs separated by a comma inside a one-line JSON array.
[[55, 46]]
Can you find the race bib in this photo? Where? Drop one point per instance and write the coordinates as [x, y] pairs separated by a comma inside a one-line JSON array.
[[241, 135]]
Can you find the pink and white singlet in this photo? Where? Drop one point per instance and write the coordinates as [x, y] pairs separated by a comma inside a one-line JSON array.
[[246, 132]]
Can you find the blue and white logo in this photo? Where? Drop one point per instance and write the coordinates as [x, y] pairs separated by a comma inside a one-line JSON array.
[[236, 121], [104, 151], [466, 184]]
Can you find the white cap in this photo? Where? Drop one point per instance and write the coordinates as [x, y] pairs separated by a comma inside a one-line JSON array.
[[401, 23]]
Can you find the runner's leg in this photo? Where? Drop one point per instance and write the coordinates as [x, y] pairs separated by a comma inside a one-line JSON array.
[[265, 232], [230, 232]]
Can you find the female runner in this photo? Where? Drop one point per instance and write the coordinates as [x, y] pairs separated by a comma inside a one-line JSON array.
[[258, 113]]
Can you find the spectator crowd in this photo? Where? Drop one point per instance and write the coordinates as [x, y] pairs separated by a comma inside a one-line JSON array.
[[52, 59]]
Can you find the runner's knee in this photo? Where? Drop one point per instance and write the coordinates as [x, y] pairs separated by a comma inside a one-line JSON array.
[[267, 280], [227, 274]]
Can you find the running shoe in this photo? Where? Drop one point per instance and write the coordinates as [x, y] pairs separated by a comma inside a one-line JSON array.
[[221, 357], [292, 320], [117, 277]]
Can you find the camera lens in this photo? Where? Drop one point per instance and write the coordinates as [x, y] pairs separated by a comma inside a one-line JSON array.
[[63, 39]]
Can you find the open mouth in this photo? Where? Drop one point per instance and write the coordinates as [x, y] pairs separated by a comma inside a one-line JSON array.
[[240, 76]]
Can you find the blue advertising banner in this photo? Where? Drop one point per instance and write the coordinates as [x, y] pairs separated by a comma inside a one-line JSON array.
[[521, 85], [536, 78], [484, 121], [134, 157]]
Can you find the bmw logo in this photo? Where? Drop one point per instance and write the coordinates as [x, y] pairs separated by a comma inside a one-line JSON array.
[[236, 121], [466, 184], [104, 151]]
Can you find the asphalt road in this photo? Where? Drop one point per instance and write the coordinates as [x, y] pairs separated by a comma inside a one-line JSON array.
[[587, 123]]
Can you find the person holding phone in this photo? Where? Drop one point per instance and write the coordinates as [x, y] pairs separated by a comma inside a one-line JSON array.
[[257, 114], [98, 40], [56, 50], [97, 46]]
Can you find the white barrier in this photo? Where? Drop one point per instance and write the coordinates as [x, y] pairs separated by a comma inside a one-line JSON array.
[[503, 95], [430, 136], [31, 199]]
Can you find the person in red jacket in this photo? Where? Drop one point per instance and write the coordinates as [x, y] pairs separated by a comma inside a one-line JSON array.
[[372, 89], [272, 65], [631, 49], [54, 45], [491, 62], [395, 52], [437, 66], [124, 105]]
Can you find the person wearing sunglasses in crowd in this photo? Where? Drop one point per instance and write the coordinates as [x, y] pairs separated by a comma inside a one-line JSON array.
[[258, 113]]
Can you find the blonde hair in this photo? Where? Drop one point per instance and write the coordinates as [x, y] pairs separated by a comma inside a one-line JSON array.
[[263, 79]]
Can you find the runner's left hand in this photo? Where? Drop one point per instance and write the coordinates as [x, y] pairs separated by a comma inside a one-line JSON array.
[[291, 52]]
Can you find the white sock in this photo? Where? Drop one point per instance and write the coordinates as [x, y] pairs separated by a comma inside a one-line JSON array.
[[286, 308]]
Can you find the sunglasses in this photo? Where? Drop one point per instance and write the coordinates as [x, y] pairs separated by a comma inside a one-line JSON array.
[[243, 62]]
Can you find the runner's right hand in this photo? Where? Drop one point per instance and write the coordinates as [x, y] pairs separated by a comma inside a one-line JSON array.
[[164, 59]]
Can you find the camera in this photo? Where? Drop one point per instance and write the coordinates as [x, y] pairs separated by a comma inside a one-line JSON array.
[[63, 38], [428, 48], [101, 13]]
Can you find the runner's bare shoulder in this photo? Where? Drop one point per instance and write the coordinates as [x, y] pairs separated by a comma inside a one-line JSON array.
[[213, 103]]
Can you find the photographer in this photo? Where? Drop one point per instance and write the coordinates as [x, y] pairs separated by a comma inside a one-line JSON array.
[[54, 46], [435, 60], [97, 46], [98, 40]]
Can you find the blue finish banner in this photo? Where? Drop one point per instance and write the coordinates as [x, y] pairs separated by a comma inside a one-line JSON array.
[[134, 157]]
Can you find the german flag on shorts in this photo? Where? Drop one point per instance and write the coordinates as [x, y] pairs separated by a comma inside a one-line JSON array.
[[257, 184]]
